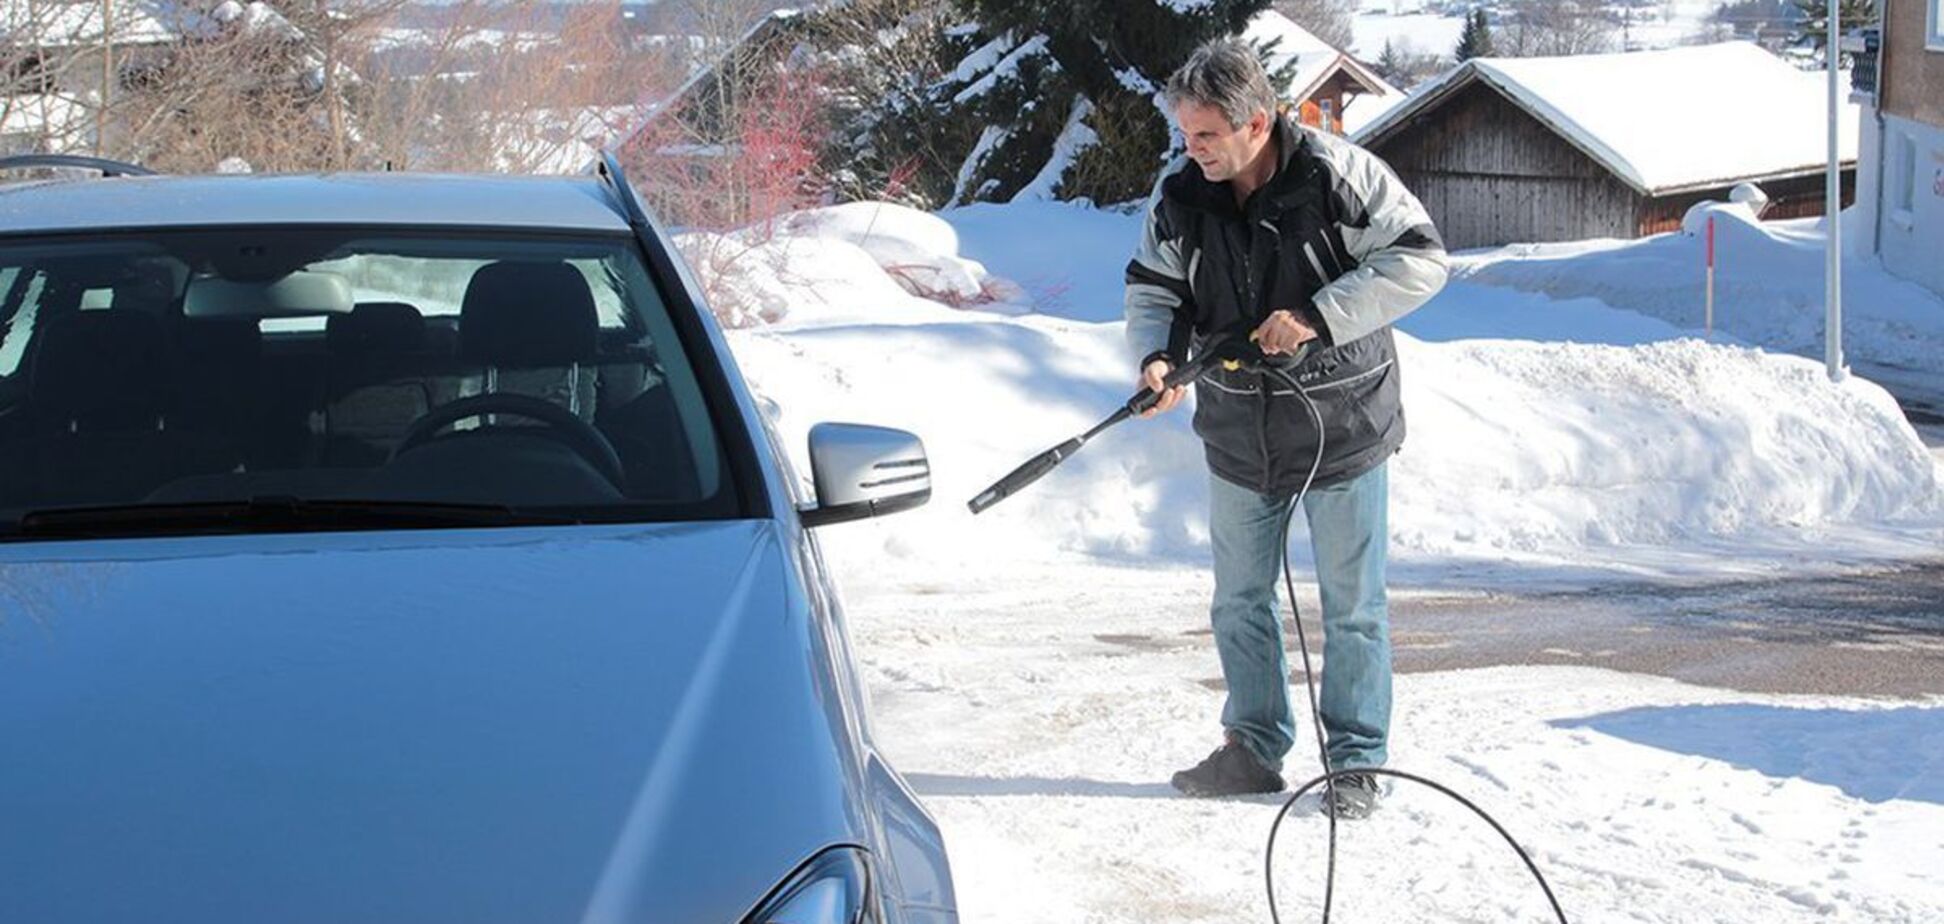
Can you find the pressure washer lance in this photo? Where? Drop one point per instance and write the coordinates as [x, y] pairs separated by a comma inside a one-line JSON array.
[[1230, 351]]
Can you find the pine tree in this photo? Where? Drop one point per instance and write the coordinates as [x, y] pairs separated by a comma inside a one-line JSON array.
[[1476, 40], [1066, 93], [1814, 17], [1389, 63]]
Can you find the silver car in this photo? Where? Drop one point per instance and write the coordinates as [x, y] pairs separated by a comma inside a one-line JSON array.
[[404, 548]]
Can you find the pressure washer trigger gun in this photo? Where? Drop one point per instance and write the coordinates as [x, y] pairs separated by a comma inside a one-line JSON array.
[[1230, 351]]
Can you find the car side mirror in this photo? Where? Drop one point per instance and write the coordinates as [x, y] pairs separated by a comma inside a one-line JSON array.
[[862, 472]]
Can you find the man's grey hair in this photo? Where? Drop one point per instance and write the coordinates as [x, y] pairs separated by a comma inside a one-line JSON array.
[[1224, 74]]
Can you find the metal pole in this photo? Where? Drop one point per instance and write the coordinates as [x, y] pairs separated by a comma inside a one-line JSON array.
[[1833, 209], [1711, 267], [107, 75]]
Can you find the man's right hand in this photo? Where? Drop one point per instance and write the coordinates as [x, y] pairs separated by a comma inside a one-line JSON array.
[[1152, 377]]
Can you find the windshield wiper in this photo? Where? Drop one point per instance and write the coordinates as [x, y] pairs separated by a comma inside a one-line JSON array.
[[270, 514]]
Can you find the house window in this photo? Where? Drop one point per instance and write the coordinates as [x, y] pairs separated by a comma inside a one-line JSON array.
[[1935, 39], [1903, 179], [1329, 112]]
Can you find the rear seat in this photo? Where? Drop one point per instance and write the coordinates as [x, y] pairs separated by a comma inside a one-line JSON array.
[[378, 381]]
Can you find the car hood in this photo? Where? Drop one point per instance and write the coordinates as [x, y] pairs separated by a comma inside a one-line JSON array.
[[574, 724]]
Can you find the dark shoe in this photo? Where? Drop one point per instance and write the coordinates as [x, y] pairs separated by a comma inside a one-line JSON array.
[[1232, 770], [1352, 796]]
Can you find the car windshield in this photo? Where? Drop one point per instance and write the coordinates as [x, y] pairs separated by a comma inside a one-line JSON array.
[[149, 379]]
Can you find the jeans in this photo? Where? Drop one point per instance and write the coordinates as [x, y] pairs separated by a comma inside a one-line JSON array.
[[1349, 536]]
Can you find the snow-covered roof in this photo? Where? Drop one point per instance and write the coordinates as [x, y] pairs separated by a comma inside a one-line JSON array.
[[256, 18], [56, 115], [1315, 60], [1368, 108], [1662, 121], [62, 23]]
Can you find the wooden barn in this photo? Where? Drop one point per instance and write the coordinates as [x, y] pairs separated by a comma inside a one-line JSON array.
[[1513, 150]]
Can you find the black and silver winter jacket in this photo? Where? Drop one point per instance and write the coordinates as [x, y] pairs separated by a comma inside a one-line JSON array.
[[1333, 237]]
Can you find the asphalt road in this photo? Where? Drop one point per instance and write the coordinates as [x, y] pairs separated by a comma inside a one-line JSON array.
[[1872, 633]]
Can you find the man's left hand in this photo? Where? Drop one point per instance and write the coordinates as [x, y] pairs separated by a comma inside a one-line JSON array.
[[1282, 333]]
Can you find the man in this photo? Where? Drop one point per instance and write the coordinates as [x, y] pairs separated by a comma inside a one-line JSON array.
[[1312, 245]]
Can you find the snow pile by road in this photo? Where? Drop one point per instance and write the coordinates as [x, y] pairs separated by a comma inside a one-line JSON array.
[[1524, 448], [863, 261], [1768, 286]]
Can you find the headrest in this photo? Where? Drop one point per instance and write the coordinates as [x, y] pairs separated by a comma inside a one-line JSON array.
[[103, 368], [528, 314], [376, 327], [228, 339]]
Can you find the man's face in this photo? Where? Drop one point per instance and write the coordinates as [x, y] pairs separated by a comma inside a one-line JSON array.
[[1221, 149]]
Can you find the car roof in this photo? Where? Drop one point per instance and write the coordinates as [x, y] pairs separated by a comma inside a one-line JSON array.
[[567, 203]]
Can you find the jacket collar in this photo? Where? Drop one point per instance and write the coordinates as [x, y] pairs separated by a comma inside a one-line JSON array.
[[1295, 165]]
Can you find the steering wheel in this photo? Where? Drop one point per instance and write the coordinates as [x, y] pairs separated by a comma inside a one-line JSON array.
[[579, 435]]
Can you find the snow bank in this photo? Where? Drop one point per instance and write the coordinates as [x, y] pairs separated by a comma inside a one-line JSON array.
[[1768, 286], [917, 247], [1518, 451], [863, 261], [1538, 447], [796, 280], [1069, 257], [1524, 447]]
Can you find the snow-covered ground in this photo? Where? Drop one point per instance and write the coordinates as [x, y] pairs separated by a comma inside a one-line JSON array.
[[1038, 713], [1419, 32], [1039, 670], [1670, 24]]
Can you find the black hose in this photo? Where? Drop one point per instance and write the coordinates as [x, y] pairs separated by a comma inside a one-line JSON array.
[[1325, 779], [1309, 682], [1329, 777]]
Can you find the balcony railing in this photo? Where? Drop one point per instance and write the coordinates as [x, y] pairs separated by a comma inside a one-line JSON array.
[[1862, 47]]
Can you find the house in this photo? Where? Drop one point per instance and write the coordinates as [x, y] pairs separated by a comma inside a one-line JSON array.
[[62, 41], [692, 120], [1900, 186], [1505, 150], [57, 56], [61, 59], [1326, 82], [43, 123]]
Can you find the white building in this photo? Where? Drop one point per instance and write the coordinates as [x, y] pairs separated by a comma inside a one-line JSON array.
[[1900, 178]]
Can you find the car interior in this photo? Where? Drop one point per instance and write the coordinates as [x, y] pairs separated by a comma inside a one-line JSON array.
[[307, 366]]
